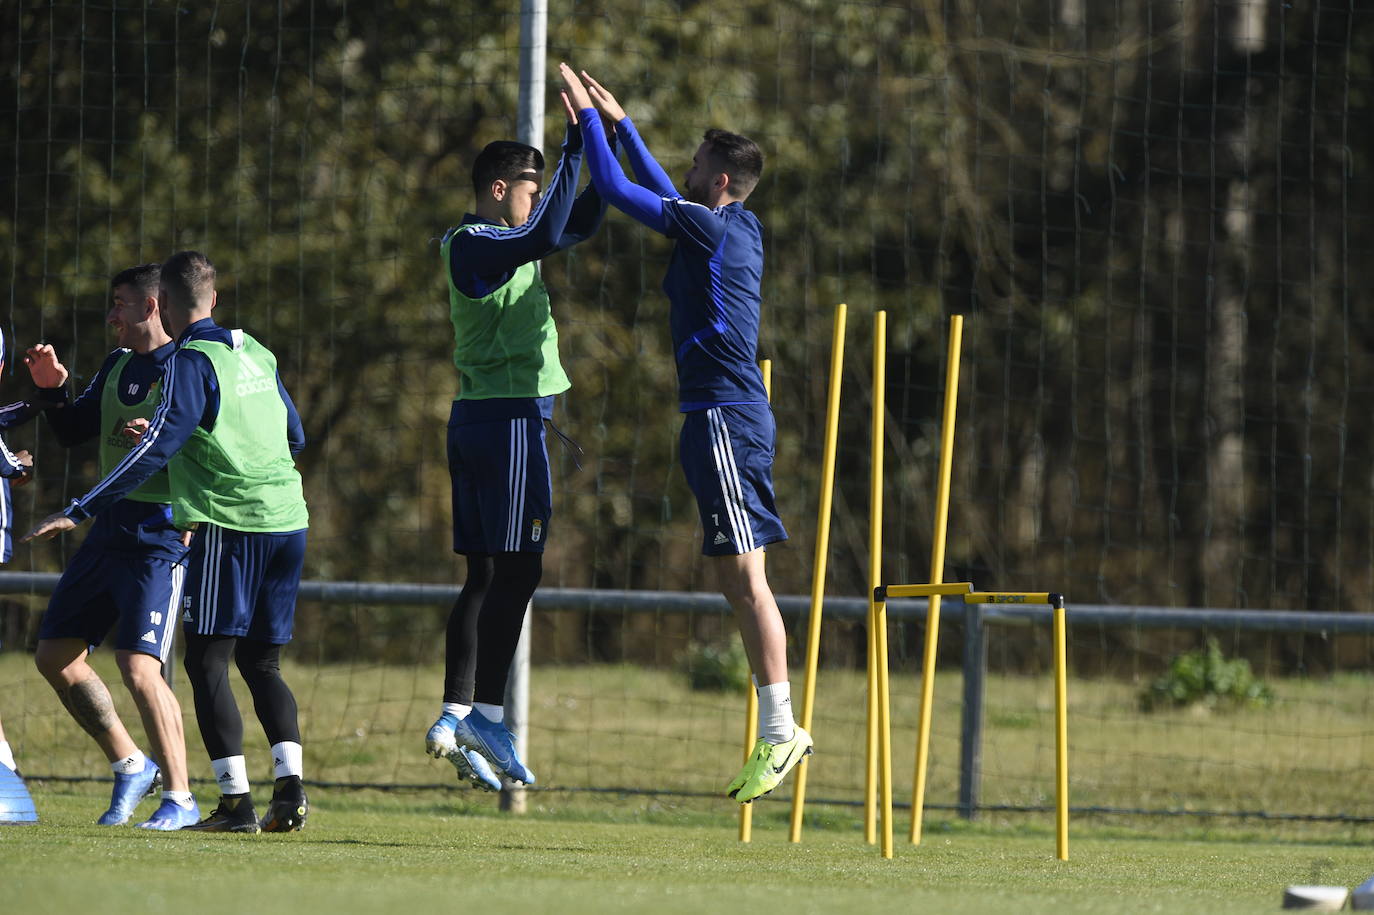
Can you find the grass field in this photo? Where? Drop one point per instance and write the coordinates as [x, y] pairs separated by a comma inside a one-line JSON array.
[[593, 727], [442, 850], [676, 850]]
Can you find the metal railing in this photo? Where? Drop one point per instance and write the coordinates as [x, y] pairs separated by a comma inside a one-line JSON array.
[[973, 619]]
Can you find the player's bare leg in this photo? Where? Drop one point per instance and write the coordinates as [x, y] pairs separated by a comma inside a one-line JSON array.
[[62, 662], [161, 714], [745, 585], [781, 744]]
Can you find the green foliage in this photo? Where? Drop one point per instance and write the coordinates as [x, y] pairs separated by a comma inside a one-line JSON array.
[[715, 667], [1205, 676], [1050, 180]]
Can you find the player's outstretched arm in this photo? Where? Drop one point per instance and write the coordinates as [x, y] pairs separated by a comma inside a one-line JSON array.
[[185, 380], [487, 250], [590, 207], [49, 528], [638, 202], [642, 162]]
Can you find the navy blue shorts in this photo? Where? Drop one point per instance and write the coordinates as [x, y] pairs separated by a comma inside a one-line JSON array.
[[727, 454], [137, 595], [243, 584], [502, 491]]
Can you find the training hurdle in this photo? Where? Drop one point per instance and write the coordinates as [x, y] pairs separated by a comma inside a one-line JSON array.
[[878, 768], [964, 590], [878, 784]]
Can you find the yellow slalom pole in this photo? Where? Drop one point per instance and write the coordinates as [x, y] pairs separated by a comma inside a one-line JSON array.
[[884, 722], [875, 564], [751, 704], [813, 635], [937, 573], [1061, 728]]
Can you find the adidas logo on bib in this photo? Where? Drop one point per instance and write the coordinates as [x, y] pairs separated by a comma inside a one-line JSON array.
[[252, 379]]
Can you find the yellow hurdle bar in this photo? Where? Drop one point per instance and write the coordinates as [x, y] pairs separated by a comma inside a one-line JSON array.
[[1008, 597], [926, 590], [875, 563], [937, 573], [751, 702], [813, 634]]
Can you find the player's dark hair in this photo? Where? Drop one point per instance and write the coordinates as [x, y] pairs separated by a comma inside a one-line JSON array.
[[187, 278], [144, 278], [504, 159], [737, 156]]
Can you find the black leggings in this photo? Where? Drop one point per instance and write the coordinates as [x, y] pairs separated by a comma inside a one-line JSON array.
[[484, 625], [221, 725]]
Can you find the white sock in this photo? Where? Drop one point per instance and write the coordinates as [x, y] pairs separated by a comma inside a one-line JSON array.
[[457, 710], [180, 798], [775, 713], [286, 759], [130, 764], [231, 774], [489, 711], [7, 755]]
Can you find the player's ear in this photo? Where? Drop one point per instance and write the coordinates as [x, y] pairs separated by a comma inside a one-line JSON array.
[[723, 183], [149, 307], [498, 189]]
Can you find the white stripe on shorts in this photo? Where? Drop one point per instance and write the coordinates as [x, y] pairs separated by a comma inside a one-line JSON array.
[[209, 579], [519, 458], [173, 607], [728, 475]]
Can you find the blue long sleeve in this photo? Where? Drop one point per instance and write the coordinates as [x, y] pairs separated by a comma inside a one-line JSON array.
[[9, 464], [186, 393], [489, 251], [587, 212], [295, 429], [642, 162], [638, 202]]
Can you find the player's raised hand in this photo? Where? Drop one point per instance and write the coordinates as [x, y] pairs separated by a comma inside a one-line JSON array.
[[567, 107], [47, 372], [49, 528], [576, 92], [604, 101], [26, 459]]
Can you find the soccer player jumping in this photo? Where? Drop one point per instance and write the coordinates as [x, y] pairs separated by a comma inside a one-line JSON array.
[[726, 445], [506, 352]]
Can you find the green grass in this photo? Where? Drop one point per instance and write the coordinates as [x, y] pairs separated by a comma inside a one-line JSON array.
[[633, 728], [442, 850], [594, 726]]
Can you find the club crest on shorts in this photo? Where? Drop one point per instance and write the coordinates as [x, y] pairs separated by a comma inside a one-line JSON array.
[[536, 530]]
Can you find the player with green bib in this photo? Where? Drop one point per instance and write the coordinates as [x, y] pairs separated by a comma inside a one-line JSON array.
[[226, 431], [506, 353], [128, 572]]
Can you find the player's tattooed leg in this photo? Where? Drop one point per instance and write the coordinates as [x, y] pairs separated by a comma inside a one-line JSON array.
[[90, 704]]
